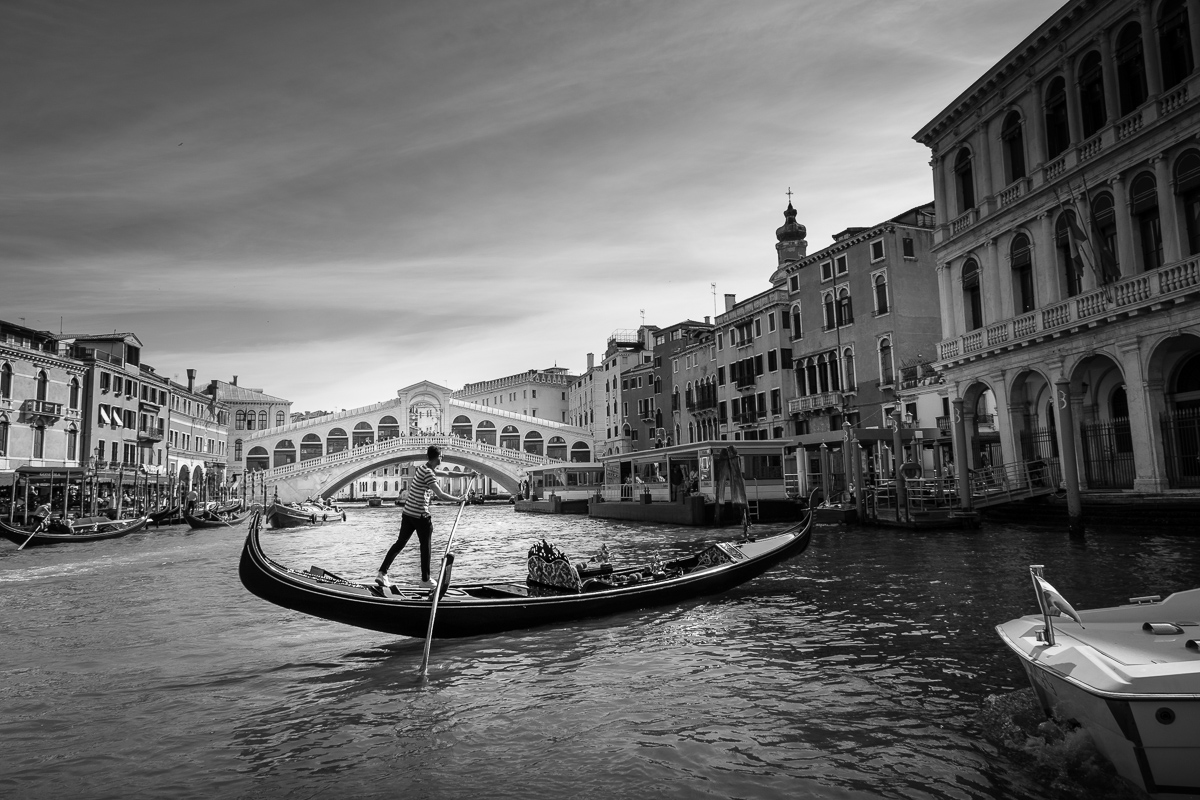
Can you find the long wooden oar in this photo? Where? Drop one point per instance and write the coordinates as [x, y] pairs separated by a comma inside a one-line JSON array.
[[36, 528], [439, 589]]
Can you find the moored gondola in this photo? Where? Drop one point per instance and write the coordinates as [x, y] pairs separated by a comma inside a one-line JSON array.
[[210, 520], [88, 529], [469, 610], [280, 515]]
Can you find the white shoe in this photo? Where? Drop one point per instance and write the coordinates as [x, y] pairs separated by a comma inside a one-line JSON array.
[[427, 584], [383, 580]]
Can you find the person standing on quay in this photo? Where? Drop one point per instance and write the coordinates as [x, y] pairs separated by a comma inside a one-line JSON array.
[[416, 518]]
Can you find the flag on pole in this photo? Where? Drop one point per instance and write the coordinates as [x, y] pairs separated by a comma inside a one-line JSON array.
[[1053, 602]]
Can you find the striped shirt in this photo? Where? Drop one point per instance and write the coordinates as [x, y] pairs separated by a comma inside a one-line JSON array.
[[420, 492]]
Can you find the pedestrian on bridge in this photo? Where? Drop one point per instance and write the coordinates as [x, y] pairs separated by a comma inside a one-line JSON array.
[[416, 518]]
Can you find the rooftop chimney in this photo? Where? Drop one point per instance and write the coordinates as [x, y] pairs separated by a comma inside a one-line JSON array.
[[707, 320], [591, 361], [235, 380], [730, 302], [191, 380]]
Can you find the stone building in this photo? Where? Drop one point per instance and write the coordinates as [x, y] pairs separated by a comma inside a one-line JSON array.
[[533, 393], [1067, 187]]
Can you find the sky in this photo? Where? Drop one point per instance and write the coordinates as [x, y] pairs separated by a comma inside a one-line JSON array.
[[335, 200]]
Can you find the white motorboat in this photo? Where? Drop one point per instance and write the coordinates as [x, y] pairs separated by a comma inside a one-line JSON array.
[[1128, 675]]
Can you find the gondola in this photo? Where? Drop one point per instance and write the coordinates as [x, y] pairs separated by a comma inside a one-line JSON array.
[[474, 609], [207, 521], [166, 516], [279, 515], [87, 529]]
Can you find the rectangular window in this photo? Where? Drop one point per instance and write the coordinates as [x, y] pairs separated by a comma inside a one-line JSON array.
[[771, 321], [909, 250], [794, 283], [758, 364], [827, 271], [720, 343], [535, 393], [842, 265], [877, 250], [772, 361], [105, 381], [720, 376], [776, 402], [757, 328]]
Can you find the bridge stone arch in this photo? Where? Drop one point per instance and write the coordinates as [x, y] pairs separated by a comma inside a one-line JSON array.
[[320, 469]]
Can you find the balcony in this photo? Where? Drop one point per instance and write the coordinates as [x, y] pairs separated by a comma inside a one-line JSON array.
[[744, 382], [1139, 294], [43, 408], [150, 435], [815, 402]]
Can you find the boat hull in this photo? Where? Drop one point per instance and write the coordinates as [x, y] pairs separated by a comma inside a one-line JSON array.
[[472, 610], [281, 516], [1135, 690], [201, 523], [91, 532]]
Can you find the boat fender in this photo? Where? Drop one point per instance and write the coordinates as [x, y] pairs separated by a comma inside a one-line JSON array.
[[343, 516], [312, 519], [324, 518]]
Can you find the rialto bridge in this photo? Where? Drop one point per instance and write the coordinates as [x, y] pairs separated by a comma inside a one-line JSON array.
[[317, 457]]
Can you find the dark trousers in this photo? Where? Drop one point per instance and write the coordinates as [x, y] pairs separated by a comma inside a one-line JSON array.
[[423, 526]]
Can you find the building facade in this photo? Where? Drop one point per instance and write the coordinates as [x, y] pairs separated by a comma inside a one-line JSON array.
[[198, 442], [41, 402], [251, 411], [536, 393], [1067, 185]]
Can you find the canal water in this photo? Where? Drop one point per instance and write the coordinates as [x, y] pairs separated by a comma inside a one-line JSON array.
[[867, 667]]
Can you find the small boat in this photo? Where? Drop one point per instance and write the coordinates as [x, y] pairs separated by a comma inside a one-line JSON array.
[[473, 609], [1129, 675], [84, 529], [166, 516], [208, 519], [280, 515]]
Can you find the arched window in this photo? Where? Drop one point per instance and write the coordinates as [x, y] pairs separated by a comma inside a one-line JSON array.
[[851, 382], [1022, 272], [258, 459], [1174, 42], [486, 432], [1012, 136], [811, 371], [1143, 197], [972, 298], [43, 383], [1058, 133], [797, 327], [1091, 94], [1131, 68], [6, 381], [534, 444], [4, 436], [74, 402], [964, 181], [1070, 263], [830, 323], [285, 452], [462, 427], [336, 441], [557, 448], [279, 419], [240, 420], [845, 311], [310, 447], [881, 294], [237, 449], [363, 434], [886, 371], [581, 453], [1187, 185], [389, 428], [1104, 224], [262, 420]]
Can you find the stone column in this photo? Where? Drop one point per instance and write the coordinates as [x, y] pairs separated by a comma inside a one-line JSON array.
[[825, 482], [1074, 114], [958, 432], [1006, 426], [948, 178], [1124, 218], [1145, 404], [1168, 220], [1150, 50], [1037, 145], [983, 171], [993, 306], [941, 207], [1193, 11], [1066, 447], [1045, 261], [945, 301], [1108, 68]]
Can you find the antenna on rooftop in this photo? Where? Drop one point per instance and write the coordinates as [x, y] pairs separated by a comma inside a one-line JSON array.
[[643, 312], [714, 291]]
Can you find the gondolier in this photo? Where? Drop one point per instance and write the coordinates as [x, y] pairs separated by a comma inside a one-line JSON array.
[[416, 518]]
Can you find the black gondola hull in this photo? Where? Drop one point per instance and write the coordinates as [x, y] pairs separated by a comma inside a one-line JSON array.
[[105, 530], [472, 610]]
